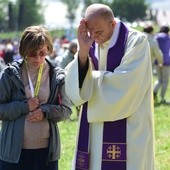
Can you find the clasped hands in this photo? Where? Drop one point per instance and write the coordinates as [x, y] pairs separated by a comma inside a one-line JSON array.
[[35, 114]]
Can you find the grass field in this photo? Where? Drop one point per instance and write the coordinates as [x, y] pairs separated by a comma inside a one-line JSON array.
[[162, 138]]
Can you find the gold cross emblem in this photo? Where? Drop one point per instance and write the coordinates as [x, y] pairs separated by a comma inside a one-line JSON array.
[[113, 152], [81, 160]]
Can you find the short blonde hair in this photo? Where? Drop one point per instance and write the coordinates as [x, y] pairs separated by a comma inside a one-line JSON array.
[[33, 38]]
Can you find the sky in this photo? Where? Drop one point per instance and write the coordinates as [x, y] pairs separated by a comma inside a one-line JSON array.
[[55, 14], [161, 4]]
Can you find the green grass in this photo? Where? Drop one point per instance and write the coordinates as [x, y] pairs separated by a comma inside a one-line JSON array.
[[162, 135], [68, 131]]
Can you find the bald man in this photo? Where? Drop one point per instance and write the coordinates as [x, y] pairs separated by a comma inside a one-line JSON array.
[[112, 79]]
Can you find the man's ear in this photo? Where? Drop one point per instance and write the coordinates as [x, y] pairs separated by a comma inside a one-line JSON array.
[[113, 23]]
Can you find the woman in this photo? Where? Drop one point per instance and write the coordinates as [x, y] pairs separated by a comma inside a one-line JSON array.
[[32, 102]]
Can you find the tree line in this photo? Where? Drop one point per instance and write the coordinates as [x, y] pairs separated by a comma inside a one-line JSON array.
[[19, 14]]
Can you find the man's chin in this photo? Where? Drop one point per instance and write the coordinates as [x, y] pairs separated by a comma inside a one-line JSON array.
[[98, 42]]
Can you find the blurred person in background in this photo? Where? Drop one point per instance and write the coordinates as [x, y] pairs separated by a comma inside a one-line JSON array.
[[68, 55], [16, 55], [155, 51], [2, 64], [8, 52], [162, 72], [32, 102]]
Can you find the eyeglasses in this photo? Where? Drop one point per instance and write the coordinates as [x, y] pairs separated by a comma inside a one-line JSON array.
[[35, 54]]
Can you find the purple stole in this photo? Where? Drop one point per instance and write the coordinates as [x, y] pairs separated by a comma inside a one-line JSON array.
[[114, 133]]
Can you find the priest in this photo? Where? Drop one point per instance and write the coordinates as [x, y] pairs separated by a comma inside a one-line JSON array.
[[111, 78]]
